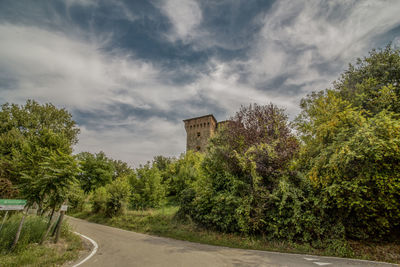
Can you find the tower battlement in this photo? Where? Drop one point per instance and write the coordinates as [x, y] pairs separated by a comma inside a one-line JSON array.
[[199, 130]]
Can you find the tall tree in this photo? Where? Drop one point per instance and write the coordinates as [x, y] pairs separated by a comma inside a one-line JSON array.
[[96, 170], [352, 144], [43, 128]]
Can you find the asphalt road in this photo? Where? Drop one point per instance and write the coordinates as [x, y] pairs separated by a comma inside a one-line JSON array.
[[121, 248]]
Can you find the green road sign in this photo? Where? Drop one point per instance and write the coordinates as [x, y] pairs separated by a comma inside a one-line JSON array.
[[12, 204]]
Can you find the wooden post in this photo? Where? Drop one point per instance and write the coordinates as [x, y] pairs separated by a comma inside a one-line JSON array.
[[58, 229]]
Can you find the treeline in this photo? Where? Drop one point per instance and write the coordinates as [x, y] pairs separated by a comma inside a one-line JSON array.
[[330, 175]]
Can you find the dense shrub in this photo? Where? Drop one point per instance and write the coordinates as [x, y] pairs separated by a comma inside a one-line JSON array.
[[245, 163], [118, 193], [76, 198], [179, 174], [98, 200], [352, 145], [147, 188]]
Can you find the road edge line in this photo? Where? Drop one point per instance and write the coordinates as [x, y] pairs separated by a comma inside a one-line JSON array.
[[93, 251]]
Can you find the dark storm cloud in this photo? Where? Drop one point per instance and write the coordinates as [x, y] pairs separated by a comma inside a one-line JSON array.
[[131, 71]]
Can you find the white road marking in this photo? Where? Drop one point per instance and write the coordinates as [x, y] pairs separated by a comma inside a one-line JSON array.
[[322, 263], [311, 259], [93, 251]]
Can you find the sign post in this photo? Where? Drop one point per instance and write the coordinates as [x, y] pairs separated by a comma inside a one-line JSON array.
[[63, 209], [12, 204]]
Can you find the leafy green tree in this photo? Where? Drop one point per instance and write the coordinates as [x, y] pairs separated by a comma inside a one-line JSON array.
[[179, 174], [76, 197], [96, 170], [373, 83], [118, 194], [244, 164], [147, 188], [44, 128], [351, 145], [121, 169], [50, 182], [98, 199]]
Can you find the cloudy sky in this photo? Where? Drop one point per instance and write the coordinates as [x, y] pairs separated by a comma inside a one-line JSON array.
[[131, 71]]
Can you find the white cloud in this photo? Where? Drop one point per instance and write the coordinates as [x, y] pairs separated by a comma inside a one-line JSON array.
[[53, 67], [72, 70], [137, 144], [298, 35], [72, 73], [185, 16]]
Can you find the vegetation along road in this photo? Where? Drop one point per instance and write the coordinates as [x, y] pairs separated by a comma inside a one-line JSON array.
[[124, 248]]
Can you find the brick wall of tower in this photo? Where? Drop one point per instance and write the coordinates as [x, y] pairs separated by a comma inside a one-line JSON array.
[[198, 131]]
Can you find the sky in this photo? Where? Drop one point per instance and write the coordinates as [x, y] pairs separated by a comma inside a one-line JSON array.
[[130, 71]]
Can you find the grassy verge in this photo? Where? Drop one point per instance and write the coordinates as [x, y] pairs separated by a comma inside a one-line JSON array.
[[49, 254], [163, 222]]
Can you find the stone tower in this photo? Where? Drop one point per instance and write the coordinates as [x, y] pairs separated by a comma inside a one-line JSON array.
[[198, 131]]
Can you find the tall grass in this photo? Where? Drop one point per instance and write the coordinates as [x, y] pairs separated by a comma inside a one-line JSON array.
[[28, 251], [33, 229]]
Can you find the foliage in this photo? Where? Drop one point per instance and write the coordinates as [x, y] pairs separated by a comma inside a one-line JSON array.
[[147, 188], [98, 200], [121, 169], [352, 146], [76, 198], [97, 170], [33, 229], [50, 181], [33, 254], [7, 189], [118, 193], [179, 174], [43, 128], [373, 83], [35, 147], [244, 165]]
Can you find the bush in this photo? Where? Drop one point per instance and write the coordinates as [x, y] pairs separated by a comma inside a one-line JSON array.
[[76, 198], [179, 174], [98, 200], [118, 193], [351, 152], [33, 229], [147, 188]]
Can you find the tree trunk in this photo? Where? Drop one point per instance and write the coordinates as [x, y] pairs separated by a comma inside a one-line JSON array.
[[49, 224], [59, 226]]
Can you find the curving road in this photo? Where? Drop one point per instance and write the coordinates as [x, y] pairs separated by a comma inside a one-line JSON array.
[[122, 248]]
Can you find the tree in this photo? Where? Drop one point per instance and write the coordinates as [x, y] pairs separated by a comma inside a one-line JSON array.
[[373, 83], [118, 193], [351, 146], [147, 188], [244, 164], [96, 170], [179, 174], [121, 169], [43, 128], [51, 181]]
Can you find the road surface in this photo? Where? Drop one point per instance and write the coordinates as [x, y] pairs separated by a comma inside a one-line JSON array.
[[122, 248]]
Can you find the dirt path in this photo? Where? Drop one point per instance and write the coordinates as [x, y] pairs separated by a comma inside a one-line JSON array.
[[122, 248]]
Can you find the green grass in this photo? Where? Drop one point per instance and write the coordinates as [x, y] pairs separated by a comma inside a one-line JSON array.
[[29, 252], [163, 222]]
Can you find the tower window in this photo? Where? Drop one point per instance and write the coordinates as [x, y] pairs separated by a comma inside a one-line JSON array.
[[198, 134]]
